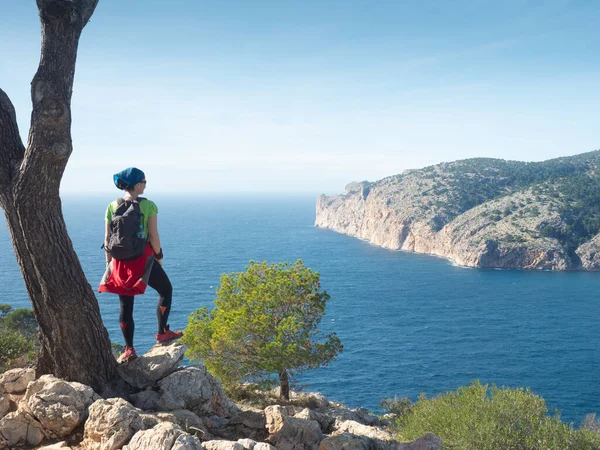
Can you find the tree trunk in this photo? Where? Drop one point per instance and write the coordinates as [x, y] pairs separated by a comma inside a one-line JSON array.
[[284, 385], [74, 342]]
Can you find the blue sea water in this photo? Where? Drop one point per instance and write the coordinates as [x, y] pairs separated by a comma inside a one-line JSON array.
[[409, 323]]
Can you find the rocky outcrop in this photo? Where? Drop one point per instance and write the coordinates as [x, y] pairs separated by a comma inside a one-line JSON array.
[[191, 388], [164, 436], [159, 362], [15, 381], [185, 408], [290, 433], [112, 423], [470, 212], [59, 406]]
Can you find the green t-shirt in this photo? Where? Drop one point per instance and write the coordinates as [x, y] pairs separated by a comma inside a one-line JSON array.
[[147, 207]]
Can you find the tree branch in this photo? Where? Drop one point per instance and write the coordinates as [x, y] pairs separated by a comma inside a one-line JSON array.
[[11, 146]]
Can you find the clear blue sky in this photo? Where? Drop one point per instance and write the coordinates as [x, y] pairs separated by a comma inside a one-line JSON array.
[[308, 95]]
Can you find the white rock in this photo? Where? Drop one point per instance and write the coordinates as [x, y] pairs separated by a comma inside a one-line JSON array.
[[15, 381], [4, 405], [345, 441], [112, 423], [222, 445], [248, 444], [58, 405], [263, 446], [164, 436], [195, 389], [159, 362], [290, 433], [19, 428], [358, 429], [58, 446]]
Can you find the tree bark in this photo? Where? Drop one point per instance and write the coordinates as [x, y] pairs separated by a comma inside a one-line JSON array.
[[74, 342], [284, 385]]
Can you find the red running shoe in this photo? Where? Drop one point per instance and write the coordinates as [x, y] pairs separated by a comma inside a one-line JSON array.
[[128, 355], [168, 336]]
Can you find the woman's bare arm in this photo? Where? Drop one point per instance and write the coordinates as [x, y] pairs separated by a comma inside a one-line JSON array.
[[106, 237], [153, 236]]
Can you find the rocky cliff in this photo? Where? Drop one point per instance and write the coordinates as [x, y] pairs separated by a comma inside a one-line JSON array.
[[480, 212]]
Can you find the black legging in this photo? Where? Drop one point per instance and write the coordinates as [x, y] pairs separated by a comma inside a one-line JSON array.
[[160, 282]]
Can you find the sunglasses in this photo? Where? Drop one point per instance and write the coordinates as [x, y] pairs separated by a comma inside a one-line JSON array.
[[143, 181]]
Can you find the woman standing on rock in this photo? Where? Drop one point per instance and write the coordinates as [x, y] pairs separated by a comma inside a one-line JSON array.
[[134, 257]]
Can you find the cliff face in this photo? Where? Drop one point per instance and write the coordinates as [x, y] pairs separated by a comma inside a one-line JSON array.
[[479, 213]]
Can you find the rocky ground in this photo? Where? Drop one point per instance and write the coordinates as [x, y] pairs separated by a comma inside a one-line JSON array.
[[177, 408]]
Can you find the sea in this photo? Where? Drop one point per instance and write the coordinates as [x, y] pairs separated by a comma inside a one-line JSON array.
[[409, 323]]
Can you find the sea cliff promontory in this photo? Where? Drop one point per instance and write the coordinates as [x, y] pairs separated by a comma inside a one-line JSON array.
[[480, 212]]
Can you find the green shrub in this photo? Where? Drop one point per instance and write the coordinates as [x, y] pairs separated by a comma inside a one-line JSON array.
[[490, 418], [18, 341], [12, 346]]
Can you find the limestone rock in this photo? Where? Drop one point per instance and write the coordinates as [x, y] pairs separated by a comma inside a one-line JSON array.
[[339, 413], [222, 445], [20, 428], [244, 423], [290, 433], [164, 436], [195, 389], [188, 421], [58, 446], [159, 362], [112, 423], [345, 441], [58, 405], [358, 429], [325, 422], [589, 254], [4, 405], [147, 400], [15, 381], [428, 442]]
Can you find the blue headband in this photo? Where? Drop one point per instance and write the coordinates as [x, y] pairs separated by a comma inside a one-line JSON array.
[[128, 177]]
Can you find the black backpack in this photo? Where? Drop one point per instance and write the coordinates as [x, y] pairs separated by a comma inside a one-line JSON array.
[[125, 241]]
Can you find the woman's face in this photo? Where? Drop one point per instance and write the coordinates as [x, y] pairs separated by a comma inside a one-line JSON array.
[[140, 187]]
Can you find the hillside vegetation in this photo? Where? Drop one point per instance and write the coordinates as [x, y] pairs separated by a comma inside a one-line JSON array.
[[481, 212]]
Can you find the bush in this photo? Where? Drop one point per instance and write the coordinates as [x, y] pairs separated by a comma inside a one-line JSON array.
[[18, 330], [14, 345], [491, 418]]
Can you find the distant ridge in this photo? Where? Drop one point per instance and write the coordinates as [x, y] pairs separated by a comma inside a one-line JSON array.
[[481, 212]]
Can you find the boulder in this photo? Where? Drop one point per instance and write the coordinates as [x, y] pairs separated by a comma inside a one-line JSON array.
[[325, 422], [195, 389], [339, 413], [15, 381], [20, 428], [245, 423], [428, 442], [4, 405], [146, 400], [58, 446], [188, 421], [222, 445], [164, 436], [112, 423], [345, 441], [358, 429], [290, 433], [159, 362], [250, 444], [58, 405]]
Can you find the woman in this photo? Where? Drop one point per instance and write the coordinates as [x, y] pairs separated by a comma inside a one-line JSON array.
[[129, 277]]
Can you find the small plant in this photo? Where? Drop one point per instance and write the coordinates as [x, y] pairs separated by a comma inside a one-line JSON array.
[[399, 407]]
